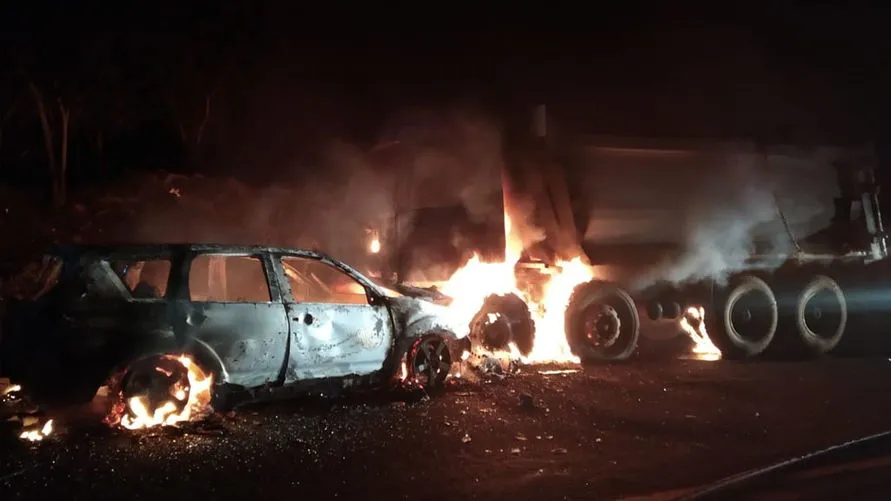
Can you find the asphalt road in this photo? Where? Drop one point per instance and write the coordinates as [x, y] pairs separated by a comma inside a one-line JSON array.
[[611, 432]]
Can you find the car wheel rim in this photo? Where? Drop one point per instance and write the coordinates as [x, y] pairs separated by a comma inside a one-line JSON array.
[[431, 362]]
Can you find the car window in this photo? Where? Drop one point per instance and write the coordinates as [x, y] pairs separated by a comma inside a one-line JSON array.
[[144, 279], [228, 279], [314, 281]]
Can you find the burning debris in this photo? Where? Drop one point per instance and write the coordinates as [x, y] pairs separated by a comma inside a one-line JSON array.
[[693, 323], [38, 434], [17, 409]]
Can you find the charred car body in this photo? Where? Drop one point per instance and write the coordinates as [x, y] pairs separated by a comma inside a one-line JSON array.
[[263, 321]]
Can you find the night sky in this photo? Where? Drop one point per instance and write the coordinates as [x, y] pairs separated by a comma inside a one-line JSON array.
[[282, 79]]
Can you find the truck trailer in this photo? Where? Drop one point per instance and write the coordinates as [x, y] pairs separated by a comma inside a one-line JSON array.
[[775, 248], [778, 249]]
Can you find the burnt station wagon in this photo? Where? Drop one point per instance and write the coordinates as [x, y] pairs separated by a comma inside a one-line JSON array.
[[261, 320]]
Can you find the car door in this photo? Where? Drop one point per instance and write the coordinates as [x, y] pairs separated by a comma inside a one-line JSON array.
[[335, 330], [233, 310]]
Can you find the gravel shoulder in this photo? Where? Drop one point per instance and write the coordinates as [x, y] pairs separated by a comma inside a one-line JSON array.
[[621, 431]]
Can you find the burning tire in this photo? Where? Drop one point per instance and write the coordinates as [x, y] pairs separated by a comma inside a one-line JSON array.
[[821, 316], [162, 390], [502, 320], [744, 318], [429, 362], [602, 323]]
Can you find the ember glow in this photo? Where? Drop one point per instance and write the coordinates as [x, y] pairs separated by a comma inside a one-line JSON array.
[[38, 434], [139, 413], [703, 346], [473, 282]]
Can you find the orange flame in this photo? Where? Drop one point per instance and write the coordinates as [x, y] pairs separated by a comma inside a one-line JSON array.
[[165, 414], [473, 282], [703, 345]]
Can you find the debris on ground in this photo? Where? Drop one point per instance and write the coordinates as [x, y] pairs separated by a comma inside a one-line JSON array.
[[527, 401]]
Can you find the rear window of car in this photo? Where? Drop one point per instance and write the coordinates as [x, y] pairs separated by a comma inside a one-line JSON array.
[[34, 279]]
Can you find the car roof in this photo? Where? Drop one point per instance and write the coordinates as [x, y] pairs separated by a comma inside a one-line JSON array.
[[149, 250], [173, 248]]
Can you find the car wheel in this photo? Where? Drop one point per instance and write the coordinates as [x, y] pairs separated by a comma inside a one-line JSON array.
[[503, 319], [430, 362], [155, 390]]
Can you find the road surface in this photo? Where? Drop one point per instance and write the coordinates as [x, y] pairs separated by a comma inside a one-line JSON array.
[[611, 432]]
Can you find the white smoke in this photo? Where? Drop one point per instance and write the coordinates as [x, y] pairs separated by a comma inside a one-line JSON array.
[[728, 217]]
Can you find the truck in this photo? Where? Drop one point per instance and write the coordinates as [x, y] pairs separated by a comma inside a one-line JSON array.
[[773, 248]]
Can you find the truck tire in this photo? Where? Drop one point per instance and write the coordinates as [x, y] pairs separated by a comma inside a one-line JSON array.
[[602, 323], [733, 326], [821, 316]]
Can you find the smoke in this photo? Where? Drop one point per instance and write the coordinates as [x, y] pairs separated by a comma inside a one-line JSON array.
[[438, 159], [728, 215], [523, 228]]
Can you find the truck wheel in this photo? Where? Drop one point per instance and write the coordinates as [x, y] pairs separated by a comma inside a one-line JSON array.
[[602, 323], [744, 318], [821, 315]]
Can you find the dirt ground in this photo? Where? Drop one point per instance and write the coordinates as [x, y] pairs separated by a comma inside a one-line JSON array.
[[610, 432]]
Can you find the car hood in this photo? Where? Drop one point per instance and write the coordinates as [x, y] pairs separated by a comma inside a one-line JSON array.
[[415, 317]]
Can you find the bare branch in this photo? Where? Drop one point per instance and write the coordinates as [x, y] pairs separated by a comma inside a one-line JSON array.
[[45, 125], [63, 168], [200, 134]]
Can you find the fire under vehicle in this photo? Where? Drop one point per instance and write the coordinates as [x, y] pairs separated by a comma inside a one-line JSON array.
[[170, 328], [772, 249]]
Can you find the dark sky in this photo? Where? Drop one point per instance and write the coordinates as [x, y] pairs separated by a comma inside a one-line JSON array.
[[800, 71]]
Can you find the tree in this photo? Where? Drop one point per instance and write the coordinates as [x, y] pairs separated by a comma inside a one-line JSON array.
[[55, 118], [10, 105], [192, 65]]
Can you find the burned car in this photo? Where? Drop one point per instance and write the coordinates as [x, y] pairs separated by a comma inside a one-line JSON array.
[[261, 321]]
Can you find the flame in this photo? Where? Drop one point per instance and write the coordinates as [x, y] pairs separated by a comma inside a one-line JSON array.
[[473, 282], [198, 393], [403, 371], [702, 346], [11, 389], [37, 435], [374, 245]]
